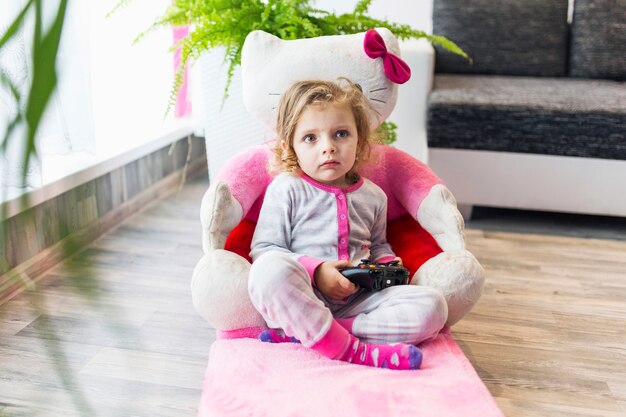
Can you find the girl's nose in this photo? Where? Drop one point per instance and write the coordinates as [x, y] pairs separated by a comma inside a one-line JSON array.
[[329, 146]]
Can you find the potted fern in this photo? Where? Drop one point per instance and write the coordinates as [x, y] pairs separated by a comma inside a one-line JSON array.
[[226, 23]]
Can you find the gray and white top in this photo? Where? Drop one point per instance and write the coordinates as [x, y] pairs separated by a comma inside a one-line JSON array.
[[318, 222]]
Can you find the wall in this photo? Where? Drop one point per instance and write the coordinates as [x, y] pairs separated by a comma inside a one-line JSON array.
[[417, 13]]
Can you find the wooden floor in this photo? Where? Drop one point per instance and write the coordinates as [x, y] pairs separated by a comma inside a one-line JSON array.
[[548, 337]]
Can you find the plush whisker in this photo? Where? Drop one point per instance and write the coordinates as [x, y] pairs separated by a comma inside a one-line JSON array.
[[274, 94], [378, 89], [380, 101]]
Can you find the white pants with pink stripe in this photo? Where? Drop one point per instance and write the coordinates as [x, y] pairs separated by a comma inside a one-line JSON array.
[[280, 289]]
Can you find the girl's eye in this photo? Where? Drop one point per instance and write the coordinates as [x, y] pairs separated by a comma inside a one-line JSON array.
[[342, 134], [308, 139]]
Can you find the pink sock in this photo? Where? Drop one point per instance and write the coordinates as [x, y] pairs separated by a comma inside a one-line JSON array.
[[346, 323], [339, 344], [396, 356]]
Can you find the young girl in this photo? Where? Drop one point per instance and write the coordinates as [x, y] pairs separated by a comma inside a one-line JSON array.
[[318, 217]]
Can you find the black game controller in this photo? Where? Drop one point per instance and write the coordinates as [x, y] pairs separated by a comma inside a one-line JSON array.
[[375, 276]]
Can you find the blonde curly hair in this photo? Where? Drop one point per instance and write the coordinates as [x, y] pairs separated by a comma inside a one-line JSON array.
[[322, 92]]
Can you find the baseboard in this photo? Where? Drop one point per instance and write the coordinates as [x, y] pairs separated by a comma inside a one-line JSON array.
[[26, 273]]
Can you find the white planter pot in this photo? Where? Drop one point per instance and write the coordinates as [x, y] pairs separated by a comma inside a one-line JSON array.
[[227, 125]]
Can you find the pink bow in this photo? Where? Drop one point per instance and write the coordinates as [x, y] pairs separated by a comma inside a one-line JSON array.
[[396, 69]]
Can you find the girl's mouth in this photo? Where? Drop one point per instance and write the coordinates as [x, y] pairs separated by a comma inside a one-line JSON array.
[[330, 163]]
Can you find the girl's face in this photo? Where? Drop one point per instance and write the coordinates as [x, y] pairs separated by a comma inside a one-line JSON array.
[[325, 141]]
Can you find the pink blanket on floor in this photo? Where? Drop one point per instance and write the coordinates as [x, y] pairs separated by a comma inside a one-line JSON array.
[[246, 377]]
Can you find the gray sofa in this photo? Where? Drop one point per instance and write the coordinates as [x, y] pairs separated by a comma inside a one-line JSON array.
[[538, 119]]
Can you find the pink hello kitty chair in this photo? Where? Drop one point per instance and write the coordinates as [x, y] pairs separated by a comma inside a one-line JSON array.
[[245, 376], [425, 228]]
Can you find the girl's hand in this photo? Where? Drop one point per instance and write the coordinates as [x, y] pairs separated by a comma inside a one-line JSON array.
[[331, 283], [399, 259]]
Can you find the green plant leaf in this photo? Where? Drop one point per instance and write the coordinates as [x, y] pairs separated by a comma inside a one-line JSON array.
[[19, 117], [44, 79], [448, 45], [387, 132], [17, 23], [362, 7], [119, 6], [43, 82]]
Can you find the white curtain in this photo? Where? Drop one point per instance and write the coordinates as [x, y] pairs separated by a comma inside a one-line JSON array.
[[68, 124]]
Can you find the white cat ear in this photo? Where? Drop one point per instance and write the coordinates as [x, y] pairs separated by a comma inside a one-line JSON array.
[[258, 48]]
